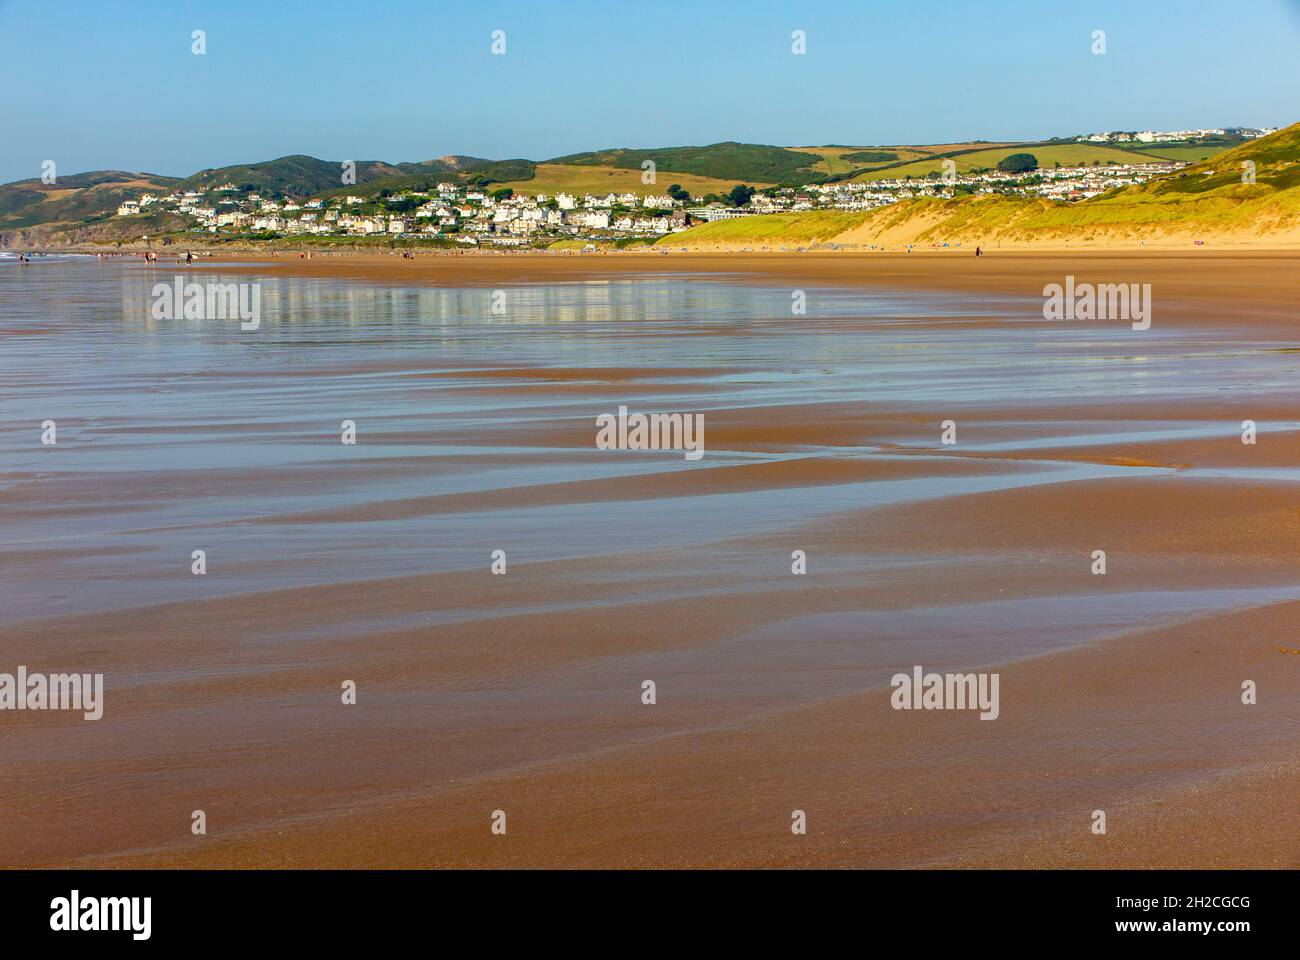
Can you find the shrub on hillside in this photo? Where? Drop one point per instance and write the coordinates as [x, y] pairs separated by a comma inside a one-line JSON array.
[[1018, 163]]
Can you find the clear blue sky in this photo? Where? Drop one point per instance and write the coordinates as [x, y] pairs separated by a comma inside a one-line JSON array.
[[94, 85]]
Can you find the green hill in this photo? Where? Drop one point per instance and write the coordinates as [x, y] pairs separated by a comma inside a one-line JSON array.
[[746, 162], [1065, 153], [75, 199], [300, 176], [466, 170]]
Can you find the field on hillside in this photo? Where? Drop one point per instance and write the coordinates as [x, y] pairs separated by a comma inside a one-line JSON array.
[[831, 158], [729, 160], [965, 145], [837, 160], [553, 178], [1186, 154], [1066, 154]]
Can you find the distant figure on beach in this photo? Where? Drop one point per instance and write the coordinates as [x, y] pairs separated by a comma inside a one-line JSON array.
[[189, 257], [979, 252]]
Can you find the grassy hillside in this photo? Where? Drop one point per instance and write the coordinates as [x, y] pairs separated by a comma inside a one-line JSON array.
[[968, 161], [300, 176], [553, 178], [427, 175], [1185, 153], [831, 160], [746, 162], [74, 199], [1206, 201], [1276, 160]]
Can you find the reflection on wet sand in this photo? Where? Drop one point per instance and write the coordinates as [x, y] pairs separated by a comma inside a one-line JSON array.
[[475, 433]]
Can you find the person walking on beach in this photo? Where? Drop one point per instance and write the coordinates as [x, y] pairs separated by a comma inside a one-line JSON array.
[[189, 257], [979, 252]]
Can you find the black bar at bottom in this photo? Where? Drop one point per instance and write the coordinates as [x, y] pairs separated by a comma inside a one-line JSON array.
[[334, 909]]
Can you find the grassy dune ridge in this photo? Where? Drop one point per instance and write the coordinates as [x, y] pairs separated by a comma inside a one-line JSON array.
[[787, 228]]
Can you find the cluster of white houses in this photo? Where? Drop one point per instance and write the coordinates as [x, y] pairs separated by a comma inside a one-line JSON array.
[[450, 210], [1058, 183], [1174, 136], [473, 215]]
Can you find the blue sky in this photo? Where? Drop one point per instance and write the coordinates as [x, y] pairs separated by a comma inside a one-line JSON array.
[[95, 85]]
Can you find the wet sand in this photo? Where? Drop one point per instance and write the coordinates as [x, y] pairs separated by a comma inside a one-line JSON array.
[[522, 692], [1247, 278]]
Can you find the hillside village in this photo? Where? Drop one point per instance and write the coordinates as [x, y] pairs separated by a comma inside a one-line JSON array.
[[467, 215], [479, 215]]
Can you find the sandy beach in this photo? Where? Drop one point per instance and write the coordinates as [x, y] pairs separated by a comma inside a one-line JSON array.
[[522, 692]]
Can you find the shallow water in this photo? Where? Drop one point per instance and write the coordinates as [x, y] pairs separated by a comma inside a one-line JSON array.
[[182, 435]]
